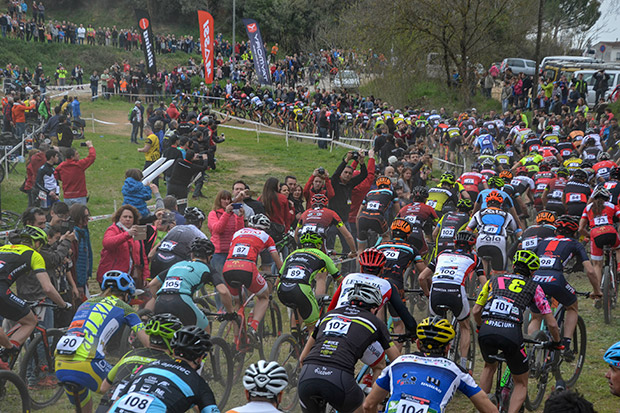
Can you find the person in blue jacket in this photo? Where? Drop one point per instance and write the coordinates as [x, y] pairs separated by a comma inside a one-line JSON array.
[[135, 193]]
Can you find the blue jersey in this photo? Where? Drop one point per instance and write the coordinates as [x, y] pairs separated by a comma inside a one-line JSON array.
[[485, 142], [482, 198], [419, 383]]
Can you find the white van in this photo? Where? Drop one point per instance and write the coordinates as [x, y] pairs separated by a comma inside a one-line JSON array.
[[614, 79], [576, 59]]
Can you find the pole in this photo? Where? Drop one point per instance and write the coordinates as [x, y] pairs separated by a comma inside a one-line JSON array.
[[92, 115], [233, 30], [541, 5]]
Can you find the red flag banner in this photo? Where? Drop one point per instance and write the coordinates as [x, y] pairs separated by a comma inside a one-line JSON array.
[[205, 20]]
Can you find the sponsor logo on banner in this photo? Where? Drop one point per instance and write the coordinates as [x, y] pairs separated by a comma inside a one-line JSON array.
[[205, 20], [144, 22], [258, 52]]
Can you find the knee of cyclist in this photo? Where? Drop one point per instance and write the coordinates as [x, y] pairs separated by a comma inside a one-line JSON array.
[[29, 320]]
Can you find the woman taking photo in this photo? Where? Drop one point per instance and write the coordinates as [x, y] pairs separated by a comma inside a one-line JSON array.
[[280, 213], [223, 221], [121, 250]]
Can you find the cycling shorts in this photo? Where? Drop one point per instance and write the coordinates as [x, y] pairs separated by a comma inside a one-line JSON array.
[[182, 306], [11, 306], [323, 384], [576, 209], [417, 239], [87, 375], [555, 285], [493, 340], [300, 296], [557, 208], [377, 224], [452, 296], [602, 236], [246, 275], [497, 255]]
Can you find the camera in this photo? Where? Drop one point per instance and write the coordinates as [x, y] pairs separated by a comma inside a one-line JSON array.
[[82, 143], [66, 226], [321, 170], [355, 155]]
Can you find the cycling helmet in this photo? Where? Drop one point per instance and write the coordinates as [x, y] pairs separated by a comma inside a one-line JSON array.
[[464, 205], [383, 182], [527, 259], [567, 224], [372, 259], [447, 178], [612, 355], [191, 343], [501, 147], [580, 174], [506, 175], [488, 163], [614, 173], [420, 193], [545, 217], [265, 379], [603, 156], [562, 171], [202, 247], [544, 167], [476, 166], [494, 196], [319, 200], [487, 151], [435, 333], [259, 221], [365, 295], [309, 235], [34, 233], [464, 239], [118, 280], [601, 192], [495, 182], [194, 214], [401, 228], [521, 170], [161, 328]]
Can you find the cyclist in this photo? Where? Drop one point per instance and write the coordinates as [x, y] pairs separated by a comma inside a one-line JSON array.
[[612, 358], [80, 357], [445, 197], [175, 246], [603, 167], [426, 380], [554, 253], [299, 271], [544, 228], [497, 184], [240, 266], [473, 181], [373, 210], [400, 256], [503, 158], [264, 382], [339, 341], [492, 224], [450, 224], [175, 287], [499, 313], [172, 386], [160, 329], [17, 260], [600, 215], [443, 281], [576, 193], [419, 215], [552, 196], [541, 182], [613, 184]]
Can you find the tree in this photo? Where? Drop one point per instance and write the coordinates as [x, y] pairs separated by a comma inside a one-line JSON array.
[[571, 15]]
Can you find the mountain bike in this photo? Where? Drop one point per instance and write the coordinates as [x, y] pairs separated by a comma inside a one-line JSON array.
[[13, 392], [454, 353], [609, 283]]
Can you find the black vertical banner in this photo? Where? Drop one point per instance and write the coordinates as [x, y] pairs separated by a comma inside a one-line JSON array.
[[258, 51], [144, 23]]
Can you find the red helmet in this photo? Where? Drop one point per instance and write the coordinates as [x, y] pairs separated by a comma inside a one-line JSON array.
[[372, 258], [319, 199], [243, 96]]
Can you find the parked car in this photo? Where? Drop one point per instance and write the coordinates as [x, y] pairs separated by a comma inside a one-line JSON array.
[[614, 80], [518, 65]]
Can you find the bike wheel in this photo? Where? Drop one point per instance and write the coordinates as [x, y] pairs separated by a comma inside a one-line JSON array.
[[606, 287], [538, 376], [218, 371], [14, 392], [39, 364], [286, 351], [569, 371], [268, 118], [270, 328], [227, 333]]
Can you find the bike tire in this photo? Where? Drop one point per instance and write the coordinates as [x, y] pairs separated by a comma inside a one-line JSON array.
[[42, 397], [270, 328], [606, 287], [286, 351], [227, 333], [537, 383], [218, 370], [11, 398], [569, 372]]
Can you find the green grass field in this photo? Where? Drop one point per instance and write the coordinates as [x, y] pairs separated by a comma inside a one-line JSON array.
[[241, 156]]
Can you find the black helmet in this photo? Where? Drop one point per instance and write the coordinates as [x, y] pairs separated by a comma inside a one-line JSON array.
[[464, 239], [191, 343], [580, 174], [194, 215], [420, 193], [202, 248], [614, 173]]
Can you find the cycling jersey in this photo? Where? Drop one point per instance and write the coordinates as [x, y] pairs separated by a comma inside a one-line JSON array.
[[421, 217], [247, 243], [531, 162], [473, 182], [531, 144], [302, 266], [565, 149], [376, 203], [522, 183], [485, 142], [576, 195], [573, 164], [491, 126], [424, 383], [17, 260], [609, 215], [400, 255], [492, 225], [613, 186], [555, 191], [503, 159], [548, 152], [175, 247], [533, 234], [319, 219], [170, 386], [551, 139], [449, 225], [589, 154], [438, 198]]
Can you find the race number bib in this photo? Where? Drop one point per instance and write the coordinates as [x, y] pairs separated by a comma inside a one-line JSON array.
[[491, 229], [391, 254], [295, 274], [136, 402], [501, 306], [446, 233], [541, 187], [530, 243], [337, 326], [69, 344], [602, 220], [431, 203], [373, 205], [574, 197], [409, 404], [446, 273], [502, 160], [468, 181], [557, 194], [171, 285], [547, 262], [241, 250]]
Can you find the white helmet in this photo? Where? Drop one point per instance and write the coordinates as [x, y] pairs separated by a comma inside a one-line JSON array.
[[259, 221], [265, 379], [367, 294]]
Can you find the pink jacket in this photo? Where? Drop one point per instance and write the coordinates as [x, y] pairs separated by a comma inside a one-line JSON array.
[[222, 226], [118, 247]]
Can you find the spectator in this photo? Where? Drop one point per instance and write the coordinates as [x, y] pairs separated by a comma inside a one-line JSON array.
[[19, 115], [50, 129], [75, 109], [35, 161], [567, 401], [318, 183], [241, 193], [183, 171], [323, 126], [170, 203], [135, 193], [223, 221], [601, 84], [279, 211], [64, 135], [297, 200], [72, 174], [46, 183], [135, 117], [82, 249], [581, 86], [121, 250], [150, 150], [94, 85]]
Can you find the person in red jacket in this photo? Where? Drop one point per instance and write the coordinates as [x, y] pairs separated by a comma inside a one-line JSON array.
[[172, 111], [280, 213], [318, 183], [223, 221], [35, 162], [360, 191], [72, 174]]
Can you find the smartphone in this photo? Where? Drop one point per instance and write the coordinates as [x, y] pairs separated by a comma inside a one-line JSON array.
[[141, 234], [236, 205]]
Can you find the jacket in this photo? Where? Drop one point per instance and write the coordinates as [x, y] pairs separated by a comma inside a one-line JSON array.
[[84, 256], [121, 252], [309, 192], [71, 173], [222, 226], [19, 111], [283, 213], [136, 194], [36, 162]]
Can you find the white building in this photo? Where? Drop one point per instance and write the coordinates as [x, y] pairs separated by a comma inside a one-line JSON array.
[[609, 52]]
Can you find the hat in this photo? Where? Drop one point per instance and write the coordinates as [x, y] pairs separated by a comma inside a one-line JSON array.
[[138, 102], [392, 160]]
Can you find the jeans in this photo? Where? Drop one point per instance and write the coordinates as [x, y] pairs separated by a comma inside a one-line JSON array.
[[3, 31], [20, 129], [505, 104], [134, 132], [323, 134], [71, 201], [330, 242], [93, 93]]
